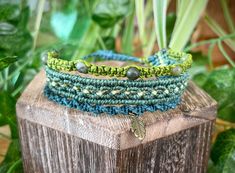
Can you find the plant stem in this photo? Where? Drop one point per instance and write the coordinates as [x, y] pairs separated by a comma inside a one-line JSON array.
[[18, 69], [150, 44], [224, 123], [17, 90], [225, 54], [88, 40], [100, 40], [211, 47], [227, 15], [214, 26], [209, 41], [40, 9], [14, 166]]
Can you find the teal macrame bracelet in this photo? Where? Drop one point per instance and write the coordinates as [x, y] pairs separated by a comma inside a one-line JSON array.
[[110, 110], [118, 96], [100, 91], [153, 83], [116, 92], [166, 62]]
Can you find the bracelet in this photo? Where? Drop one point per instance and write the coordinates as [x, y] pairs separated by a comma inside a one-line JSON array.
[[163, 63], [119, 96], [110, 110], [115, 92]]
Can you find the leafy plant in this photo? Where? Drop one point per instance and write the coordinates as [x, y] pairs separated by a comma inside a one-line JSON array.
[[223, 152], [220, 84], [159, 11], [188, 14], [108, 12]]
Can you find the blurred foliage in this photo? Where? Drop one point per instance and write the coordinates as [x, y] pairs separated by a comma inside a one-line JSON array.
[[220, 84], [12, 161], [108, 12], [223, 152], [78, 27]]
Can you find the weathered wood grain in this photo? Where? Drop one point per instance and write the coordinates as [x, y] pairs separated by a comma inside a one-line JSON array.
[[58, 139]]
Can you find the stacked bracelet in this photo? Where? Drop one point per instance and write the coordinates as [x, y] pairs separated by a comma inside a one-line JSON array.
[[116, 92], [118, 96], [110, 110], [164, 63], [166, 74]]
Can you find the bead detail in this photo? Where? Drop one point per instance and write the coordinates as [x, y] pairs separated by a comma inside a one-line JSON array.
[[133, 73], [44, 58], [81, 67], [177, 70]]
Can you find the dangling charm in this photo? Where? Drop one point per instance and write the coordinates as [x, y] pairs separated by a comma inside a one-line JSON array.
[[137, 127]]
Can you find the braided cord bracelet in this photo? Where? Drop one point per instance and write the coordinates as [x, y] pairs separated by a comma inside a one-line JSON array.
[[110, 110], [119, 96], [164, 63], [113, 90]]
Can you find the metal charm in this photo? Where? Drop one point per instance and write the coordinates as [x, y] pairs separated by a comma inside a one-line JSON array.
[[137, 127]]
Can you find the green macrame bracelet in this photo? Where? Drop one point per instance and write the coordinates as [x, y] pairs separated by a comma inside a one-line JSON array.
[[178, 63]]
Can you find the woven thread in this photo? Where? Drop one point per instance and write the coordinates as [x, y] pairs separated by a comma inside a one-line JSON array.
[[170, 57], [110, 110]]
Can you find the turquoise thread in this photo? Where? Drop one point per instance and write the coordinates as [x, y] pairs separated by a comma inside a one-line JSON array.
[[110, 110]]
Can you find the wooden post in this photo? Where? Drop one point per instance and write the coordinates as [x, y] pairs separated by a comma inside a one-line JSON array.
[[56, 139]]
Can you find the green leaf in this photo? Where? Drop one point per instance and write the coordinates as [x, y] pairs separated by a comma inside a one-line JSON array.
[[223, 151], [61, 19], [226, 56], [16, 44], [170, 22], [7, 29], [87, 42], [217, 29], [2, 120], [212, 168], [75, 15], [159, 10], [7, 112], [9, 12], [109, 42], [227, 112], [108, 12], [198, 71], [24, 18], [188, 14], [220, 84], [12, 161], [127, 38], [227, 15], [5, 62], [139, 8], [138, 127], [201, 77]]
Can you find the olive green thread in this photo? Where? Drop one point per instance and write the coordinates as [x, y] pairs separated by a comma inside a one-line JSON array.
[[101, 70]]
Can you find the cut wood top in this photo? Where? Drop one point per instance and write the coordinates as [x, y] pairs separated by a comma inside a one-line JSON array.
[[197, 107]]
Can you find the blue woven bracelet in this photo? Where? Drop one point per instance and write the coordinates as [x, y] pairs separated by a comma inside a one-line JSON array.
[[116, 96], [110, 110]]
